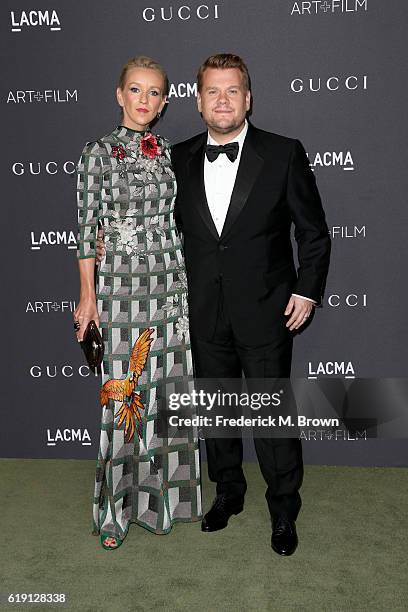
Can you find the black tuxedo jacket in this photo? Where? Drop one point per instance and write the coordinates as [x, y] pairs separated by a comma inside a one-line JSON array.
[[252, 261]]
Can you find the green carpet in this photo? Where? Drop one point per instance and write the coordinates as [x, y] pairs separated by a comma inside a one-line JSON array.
[[352, 553]]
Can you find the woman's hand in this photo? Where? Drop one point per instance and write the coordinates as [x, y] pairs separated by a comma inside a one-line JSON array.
[[100, 247], [85, 311]]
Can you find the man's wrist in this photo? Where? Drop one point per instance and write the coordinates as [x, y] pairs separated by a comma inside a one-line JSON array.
[[303, 297]]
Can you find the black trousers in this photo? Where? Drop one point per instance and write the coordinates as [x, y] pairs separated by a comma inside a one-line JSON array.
[[280, 459]]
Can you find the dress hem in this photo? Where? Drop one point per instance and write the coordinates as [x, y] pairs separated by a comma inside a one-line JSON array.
[[97, 532]]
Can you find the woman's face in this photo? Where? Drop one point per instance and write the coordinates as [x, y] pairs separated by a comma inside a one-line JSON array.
[[141, 98]]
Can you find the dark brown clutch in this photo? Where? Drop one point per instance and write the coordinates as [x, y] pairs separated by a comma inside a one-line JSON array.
[[92, 345]]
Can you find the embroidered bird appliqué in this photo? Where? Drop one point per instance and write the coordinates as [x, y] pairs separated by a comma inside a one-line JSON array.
[[125, 390]]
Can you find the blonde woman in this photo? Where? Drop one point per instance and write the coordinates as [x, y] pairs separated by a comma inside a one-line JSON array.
[[126, 186]]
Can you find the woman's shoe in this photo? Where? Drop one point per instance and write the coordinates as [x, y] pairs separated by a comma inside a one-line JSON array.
[[110, 542]]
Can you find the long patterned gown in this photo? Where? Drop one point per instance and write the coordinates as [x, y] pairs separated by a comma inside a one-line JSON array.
[[126, 185]]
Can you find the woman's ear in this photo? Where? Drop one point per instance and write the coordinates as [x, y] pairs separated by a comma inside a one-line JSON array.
[[119, 96], [163, 103]]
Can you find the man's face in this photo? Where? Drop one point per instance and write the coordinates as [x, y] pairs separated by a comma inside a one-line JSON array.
[[223, 100]]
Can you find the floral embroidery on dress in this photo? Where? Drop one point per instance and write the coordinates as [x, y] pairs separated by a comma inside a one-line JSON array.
[[149, 146], [182, 327], [119, 152], [143, 156], [178, 306], [147, 157], [126, 232]]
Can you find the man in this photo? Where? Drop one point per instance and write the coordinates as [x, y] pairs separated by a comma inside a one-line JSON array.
[[239, 191]]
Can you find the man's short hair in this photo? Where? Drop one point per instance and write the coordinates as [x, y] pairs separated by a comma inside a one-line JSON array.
[[223, 61]]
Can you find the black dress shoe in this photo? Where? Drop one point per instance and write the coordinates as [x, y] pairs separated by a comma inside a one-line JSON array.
[[284, 538], [222, 509]]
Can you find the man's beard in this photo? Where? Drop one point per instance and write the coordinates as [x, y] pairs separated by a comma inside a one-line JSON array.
[[236, 123]]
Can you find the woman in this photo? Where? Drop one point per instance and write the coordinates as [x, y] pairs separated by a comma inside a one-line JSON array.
[[126, 185]]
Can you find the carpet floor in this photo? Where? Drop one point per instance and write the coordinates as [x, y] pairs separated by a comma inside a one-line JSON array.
[[352, 551]]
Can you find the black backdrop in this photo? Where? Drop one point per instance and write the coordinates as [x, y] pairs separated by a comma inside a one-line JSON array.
[[327, 72]]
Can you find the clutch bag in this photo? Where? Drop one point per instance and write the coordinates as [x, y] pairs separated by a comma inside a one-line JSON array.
[[92, 345]]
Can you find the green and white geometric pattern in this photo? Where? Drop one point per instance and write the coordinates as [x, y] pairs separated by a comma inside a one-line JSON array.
[[141, 283]]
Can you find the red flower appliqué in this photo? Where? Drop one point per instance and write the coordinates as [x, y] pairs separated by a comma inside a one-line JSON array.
[[119, 152], [149, 146]]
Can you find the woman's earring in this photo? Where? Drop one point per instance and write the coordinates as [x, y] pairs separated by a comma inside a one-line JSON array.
[[158, 114]]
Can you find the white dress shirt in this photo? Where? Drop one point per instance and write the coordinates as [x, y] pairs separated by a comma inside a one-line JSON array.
[[219, 181]]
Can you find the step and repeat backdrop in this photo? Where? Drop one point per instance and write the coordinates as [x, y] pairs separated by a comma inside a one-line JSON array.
[[329, 73]]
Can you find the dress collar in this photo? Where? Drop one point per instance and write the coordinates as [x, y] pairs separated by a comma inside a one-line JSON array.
[[127, 134]]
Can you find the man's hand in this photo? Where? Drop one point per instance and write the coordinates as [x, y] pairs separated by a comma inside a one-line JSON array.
[[100, 247], [299, 311]]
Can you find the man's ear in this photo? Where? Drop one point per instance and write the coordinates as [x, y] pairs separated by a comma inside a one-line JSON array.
[[119, 96], [248, 100], [199, 102]]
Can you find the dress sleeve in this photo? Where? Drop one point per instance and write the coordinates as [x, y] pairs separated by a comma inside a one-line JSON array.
[[89, 186], [177, 216]]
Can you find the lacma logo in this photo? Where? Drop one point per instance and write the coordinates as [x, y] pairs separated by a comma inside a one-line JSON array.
[[53, 238], [331, 368], [341, 159], [35, 19], [182, 90], [68, 435]]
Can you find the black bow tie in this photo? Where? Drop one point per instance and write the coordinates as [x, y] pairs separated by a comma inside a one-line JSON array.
[[231, 151]]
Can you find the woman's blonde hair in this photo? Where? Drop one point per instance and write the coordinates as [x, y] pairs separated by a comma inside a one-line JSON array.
[[142, 61]]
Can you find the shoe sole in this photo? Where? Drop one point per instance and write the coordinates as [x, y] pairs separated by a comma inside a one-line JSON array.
[[284, 554]]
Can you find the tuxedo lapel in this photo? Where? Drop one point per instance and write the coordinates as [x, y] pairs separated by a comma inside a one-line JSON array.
[[249, 168], [197, 187]]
